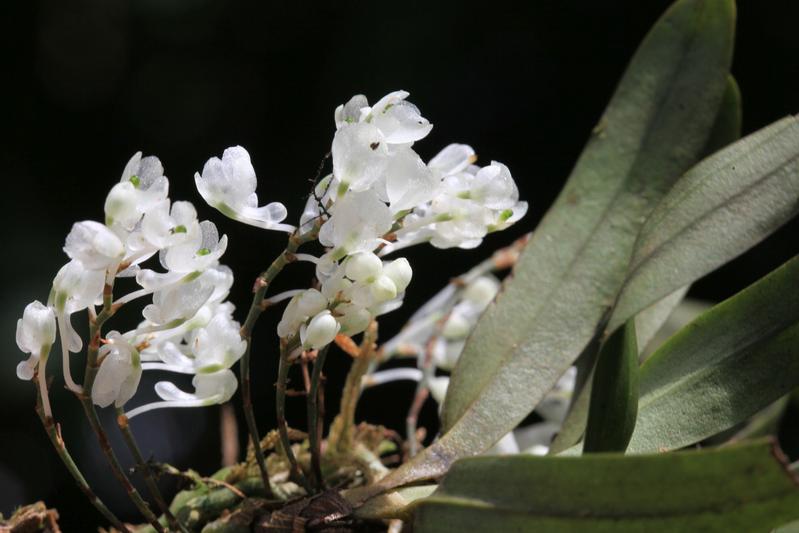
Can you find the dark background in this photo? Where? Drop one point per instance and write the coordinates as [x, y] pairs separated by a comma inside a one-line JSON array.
[[89, 82]]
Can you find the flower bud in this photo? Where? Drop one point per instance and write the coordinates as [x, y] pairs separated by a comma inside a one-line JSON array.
[[320, 331], [121, 205], [363, 266], [481, 291], [400, 272], [353, 319], [456, 327], [383, 289], [438, 388]]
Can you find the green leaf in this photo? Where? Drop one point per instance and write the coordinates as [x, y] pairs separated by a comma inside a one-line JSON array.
[[718, 210], [651, 323], [723, 367], [655, 127], [739, 488], [648, 324], [652, 319], [573, 427], [568, 276], [726, 130], [614, 393], [685, 311]]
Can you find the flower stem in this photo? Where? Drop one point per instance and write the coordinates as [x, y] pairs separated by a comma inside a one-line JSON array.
[[422, 392], [54, 433], [316, 419], [144, 469], [92, 366], [341, 437], [280, 409], [256, 308], [423, 387]]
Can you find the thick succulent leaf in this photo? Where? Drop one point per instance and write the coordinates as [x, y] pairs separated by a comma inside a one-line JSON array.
[[718, 210], [686, 311], [655, 127], [653, 326], [655, 323], [738, 488], [723, 367], [614, 393], [568, 276], [652, 319], [648, 324]]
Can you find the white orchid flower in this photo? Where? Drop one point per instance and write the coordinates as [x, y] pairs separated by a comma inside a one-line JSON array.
[[36, 332], [179, 302], [120, 372], [212, 342], [94, 245], [218, 345], [141, 186], [74, 288], [469, 203], [399, 120], [202, 250], [210, 389], [408, 181], [164, 225], [228, 185], [299, 309], [360, 157], [358, 224]]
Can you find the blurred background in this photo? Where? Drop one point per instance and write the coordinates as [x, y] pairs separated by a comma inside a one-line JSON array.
[[89, 82]]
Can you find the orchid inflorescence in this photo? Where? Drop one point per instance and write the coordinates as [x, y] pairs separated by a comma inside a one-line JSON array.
[[379, 198], [379, 187]]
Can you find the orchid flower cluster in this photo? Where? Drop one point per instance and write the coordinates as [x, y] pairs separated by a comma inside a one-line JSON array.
[[380, 197], [188, 327]]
